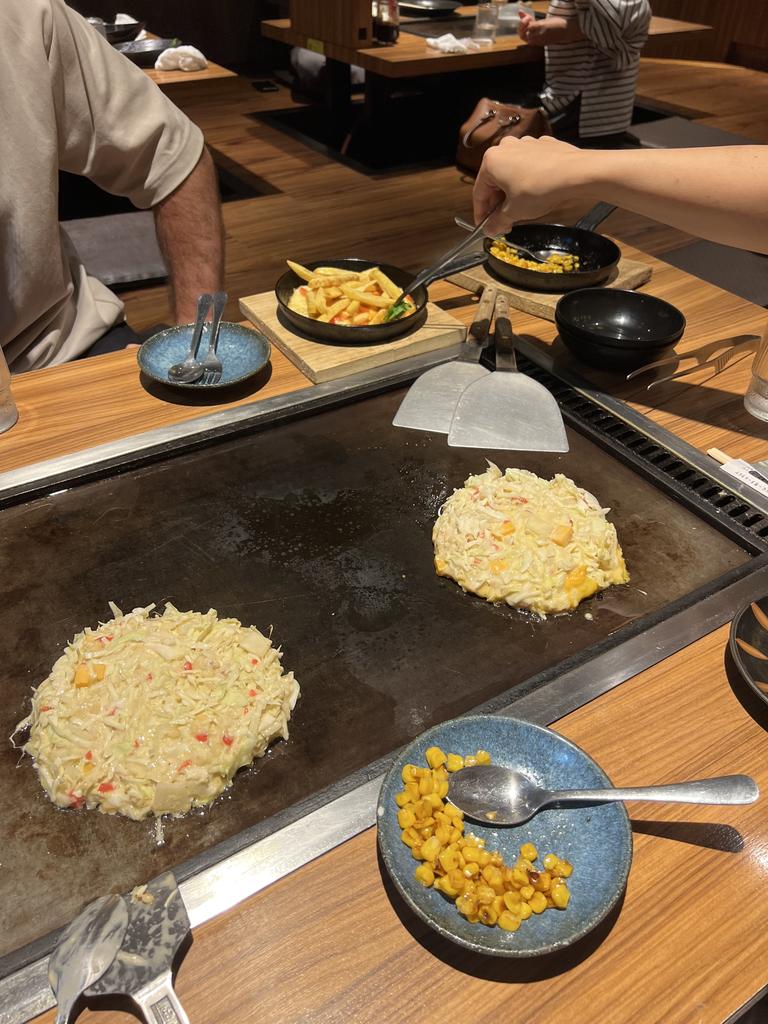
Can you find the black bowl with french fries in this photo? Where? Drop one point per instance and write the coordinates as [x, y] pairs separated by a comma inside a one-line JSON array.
[[350, 301]]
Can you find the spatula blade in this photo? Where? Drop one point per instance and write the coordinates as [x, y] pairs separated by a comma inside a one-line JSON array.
[[508, 412], [431, 400]]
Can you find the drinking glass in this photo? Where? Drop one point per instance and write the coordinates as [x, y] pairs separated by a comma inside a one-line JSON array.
[[756, 398], [486, 24], [8, 411]]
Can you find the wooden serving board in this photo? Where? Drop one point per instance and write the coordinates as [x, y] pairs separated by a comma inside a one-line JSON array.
[[627, 274], [322, 361]]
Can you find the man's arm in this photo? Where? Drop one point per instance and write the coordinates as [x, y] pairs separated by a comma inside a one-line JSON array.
[[720, 194], [190, 233]]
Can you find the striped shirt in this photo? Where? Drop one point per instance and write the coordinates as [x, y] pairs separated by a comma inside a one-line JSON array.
[[602, 68]]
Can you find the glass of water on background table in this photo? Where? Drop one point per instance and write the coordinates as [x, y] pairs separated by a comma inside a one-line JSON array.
[[486, 24], [756, 398], [8, 411]]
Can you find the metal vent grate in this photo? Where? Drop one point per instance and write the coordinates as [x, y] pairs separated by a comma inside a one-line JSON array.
[[701, 489]]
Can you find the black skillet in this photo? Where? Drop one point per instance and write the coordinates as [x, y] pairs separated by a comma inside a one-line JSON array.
[[368, 335], [597, 254]]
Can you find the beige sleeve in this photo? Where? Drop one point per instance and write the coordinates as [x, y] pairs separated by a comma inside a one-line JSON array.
[[114, 124]]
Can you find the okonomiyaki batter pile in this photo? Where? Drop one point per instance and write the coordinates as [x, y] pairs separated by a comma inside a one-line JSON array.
[[154, 714], [543, 545]]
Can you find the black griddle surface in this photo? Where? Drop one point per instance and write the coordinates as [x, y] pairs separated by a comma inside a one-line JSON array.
[[321, 528]]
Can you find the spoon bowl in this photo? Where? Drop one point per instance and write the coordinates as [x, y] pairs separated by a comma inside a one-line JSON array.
[[502, 796]]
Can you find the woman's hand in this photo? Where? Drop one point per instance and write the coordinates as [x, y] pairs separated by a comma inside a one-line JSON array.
[[549, 30], [527, 176]]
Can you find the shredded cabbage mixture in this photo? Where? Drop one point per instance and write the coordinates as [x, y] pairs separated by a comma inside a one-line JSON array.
[[544, 545], [154, 714]]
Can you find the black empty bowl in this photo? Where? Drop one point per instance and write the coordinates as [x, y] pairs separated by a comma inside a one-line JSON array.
[[616, 329], [145, 52], [120, 32]]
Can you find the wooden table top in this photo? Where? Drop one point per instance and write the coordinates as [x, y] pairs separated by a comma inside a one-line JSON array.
[[411, 55], [332, 943], [212, 72]]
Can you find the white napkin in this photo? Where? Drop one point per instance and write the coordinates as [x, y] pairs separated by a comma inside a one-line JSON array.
[[450, 44], [181, 58]]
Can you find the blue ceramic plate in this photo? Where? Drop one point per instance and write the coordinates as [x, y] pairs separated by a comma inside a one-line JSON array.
[[596, 839], [242, 351], [747, 629]]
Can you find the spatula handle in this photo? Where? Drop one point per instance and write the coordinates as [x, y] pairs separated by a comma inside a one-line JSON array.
[[158, 1002], [504, 336]]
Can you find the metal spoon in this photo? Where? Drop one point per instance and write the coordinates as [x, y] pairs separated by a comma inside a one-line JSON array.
[[527, 252], [492, 793], [192, 369], [85, 951]]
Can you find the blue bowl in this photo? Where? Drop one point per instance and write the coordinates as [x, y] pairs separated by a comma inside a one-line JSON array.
[[596, 839], [242, 351]]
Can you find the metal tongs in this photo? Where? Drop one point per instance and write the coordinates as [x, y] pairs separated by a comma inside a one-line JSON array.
[[456, 259], [741, 347]]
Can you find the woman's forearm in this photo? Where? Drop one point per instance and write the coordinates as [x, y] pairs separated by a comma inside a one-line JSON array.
[[191, 238], [720, 194]]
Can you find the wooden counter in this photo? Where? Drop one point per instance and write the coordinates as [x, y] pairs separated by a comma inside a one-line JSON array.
[[333, 944]]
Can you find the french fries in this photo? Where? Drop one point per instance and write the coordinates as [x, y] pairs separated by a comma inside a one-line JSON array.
[[350, 298]]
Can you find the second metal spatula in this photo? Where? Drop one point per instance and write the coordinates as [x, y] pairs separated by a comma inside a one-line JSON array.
[[507, 410], [431, 399]]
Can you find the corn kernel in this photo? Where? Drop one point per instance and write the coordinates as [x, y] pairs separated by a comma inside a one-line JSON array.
[[454, 762], [453, 812], [527, 892], [525, 911], [407, 773], [442, 790], [443, 834], [405, 817], [445, 886], [485, 895], [483, 757], [401, 799], [550, 861], [430, 849], [519, 877], [509, 922], [435, 802], [470, 762], [435, 757], [528, 851], [565, 869], [416, 851], [466, 904], [409, 837], [422, 809], [538, 902], [543, 882], [425, 874], [426, 785], [560, 896], [412, 789], [457, 880], [512, 900], [471, 870], [487, 915]]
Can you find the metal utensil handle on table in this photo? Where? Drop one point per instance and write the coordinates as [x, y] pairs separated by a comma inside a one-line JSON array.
[[210, 361], [504, 336], [158, 1003], [595, 216], [727, 789], [749, 341], [718, 364], [439, 268]]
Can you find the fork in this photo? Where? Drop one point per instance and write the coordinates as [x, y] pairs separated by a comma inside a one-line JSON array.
[[210, 362]]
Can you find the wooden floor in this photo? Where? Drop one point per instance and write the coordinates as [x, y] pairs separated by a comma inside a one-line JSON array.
[[324, 209]]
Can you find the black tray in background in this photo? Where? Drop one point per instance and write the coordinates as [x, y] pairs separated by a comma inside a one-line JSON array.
[[320, 527]]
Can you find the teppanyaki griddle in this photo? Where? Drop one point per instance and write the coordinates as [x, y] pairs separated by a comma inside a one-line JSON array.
[[320, 527]]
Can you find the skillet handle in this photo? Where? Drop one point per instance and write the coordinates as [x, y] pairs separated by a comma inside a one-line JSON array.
[[504, 336], [595, 216]]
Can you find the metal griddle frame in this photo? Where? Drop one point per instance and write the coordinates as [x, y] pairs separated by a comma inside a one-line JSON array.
[[221, 877]]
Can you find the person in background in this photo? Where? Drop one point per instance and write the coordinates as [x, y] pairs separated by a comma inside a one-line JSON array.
[[69, 101], [592, 50], [683, 188]]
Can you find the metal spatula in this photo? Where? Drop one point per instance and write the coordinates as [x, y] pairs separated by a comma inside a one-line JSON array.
[[507, 410], [431, 399], [157, 929]]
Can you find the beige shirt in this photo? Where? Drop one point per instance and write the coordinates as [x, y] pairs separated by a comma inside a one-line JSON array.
[[69, 101]]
